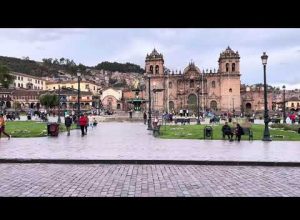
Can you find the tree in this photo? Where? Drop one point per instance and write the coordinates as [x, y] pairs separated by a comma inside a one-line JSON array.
[[5, 78], [49, 100]]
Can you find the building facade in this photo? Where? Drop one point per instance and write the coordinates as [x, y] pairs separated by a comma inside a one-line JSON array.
[[85, 86], [24, 81], [216, 90]]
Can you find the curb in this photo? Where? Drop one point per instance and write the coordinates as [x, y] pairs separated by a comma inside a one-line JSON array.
[[141, 162]]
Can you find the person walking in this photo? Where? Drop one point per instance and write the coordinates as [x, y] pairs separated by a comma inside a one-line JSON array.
[[145, 118], [82, 123], [87, 122], [2, 127], [68, 123]]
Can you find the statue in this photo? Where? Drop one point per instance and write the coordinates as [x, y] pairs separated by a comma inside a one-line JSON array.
[[136, 84]]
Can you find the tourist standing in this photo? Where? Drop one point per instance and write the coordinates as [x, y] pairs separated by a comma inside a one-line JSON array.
[[87, 122], [145, 118], [130, 113], [68, 123], [2, 127], [82, 123]]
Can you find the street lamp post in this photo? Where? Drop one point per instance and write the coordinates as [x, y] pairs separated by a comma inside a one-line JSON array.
[[266, 136], [78, 98], [284, 116], [58, 120], [149, 107], [198, 105]]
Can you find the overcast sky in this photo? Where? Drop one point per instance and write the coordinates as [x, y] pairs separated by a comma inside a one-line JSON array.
[[179, 47]]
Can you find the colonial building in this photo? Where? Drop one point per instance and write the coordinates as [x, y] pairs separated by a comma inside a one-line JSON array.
[[111, 99], [24, 81], [85, 86], [217, 90], [253, 99]]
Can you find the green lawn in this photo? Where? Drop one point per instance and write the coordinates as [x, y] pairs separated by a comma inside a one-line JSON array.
[[30, 128], [196, 132]]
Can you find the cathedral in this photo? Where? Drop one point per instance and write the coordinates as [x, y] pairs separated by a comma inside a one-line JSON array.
[[217, 91]]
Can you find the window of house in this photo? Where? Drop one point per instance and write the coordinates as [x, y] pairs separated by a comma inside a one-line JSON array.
[[293, 104], [22, 78], [54, 87], [72, 86], [230, 90], [87, 86]]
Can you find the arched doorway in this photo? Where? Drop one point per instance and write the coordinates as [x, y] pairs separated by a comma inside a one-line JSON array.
[[32, 105], [248, 106], [213, 105], [8, 104], [171, 106], [192, 103]]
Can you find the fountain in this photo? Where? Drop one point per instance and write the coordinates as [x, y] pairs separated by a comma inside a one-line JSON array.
[[137, 101]]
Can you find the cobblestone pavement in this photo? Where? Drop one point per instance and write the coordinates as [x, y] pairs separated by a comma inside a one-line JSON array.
[[48, 180], [132, 141]]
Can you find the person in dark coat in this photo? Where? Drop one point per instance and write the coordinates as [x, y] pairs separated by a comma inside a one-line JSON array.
[[68, 123], [226, 129], [238, 132], [145, 118]]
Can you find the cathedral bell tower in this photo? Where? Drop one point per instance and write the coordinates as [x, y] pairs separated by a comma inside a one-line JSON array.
[[154, 63], [229, 69]]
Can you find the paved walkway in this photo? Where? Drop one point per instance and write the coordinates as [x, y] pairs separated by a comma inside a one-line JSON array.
[[131, 141], [100, 180]]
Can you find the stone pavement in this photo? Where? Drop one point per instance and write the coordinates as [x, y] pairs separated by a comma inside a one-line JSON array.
[[102, 180], [131, 141]]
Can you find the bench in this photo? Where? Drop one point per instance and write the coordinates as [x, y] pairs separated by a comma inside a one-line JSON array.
[[249, 132], [182, 120], [156, 131]]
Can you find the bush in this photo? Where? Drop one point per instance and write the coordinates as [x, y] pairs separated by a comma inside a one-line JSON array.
[[286, 127]]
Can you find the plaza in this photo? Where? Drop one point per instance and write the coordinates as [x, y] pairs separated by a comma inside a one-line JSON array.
[[123, 159]]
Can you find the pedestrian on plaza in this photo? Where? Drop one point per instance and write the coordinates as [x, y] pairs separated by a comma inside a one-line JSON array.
[[238, 132], [130, 113], [95, 122], [68, 123], [82, 123], [87, 122], [145, 118], [2, 126]]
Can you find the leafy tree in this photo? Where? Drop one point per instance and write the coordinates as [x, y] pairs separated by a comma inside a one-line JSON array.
[[5, 78], [126, 68], [49, 100]]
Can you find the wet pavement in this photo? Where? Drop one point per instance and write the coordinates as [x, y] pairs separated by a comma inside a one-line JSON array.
[[132, 141], [102, 180]]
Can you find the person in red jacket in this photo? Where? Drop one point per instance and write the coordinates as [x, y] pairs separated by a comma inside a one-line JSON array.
[[82, 123]]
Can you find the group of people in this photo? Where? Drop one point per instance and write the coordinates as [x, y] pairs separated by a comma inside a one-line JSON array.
[[237, 131], [83, 122]]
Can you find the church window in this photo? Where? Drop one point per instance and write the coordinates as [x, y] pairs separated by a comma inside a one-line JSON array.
[[192, 84], [227, 67], [213, 84], [170, 85], [156, 69], [151, 69], [233, 67]]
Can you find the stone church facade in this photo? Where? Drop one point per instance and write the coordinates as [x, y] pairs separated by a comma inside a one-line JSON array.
[[216, 90]]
